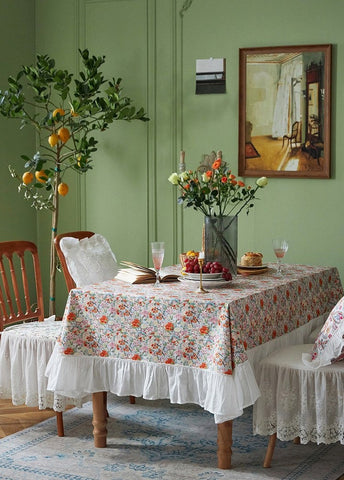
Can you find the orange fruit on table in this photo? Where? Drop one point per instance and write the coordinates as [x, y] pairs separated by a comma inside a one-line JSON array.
[[41, 176], [63, 189], [27, 177], [63, 134], [53, 139], [58, 111]]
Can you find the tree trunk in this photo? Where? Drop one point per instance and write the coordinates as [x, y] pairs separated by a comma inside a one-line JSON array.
[[54, 221]]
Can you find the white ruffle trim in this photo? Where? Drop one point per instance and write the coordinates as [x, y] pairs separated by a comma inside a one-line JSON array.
[[81, 375], [223, 395]]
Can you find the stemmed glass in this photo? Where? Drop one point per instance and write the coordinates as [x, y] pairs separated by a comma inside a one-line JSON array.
[[280, 247], [158, 250]]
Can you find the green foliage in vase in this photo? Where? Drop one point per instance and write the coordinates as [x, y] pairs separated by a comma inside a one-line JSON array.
[[65, 112]]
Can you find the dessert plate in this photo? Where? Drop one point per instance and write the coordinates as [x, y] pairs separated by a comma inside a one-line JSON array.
[[252, 267]]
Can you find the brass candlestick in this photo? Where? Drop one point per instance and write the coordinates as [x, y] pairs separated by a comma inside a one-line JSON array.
[[200, 288]]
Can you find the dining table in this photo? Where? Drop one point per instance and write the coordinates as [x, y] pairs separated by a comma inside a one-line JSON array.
[[174, 342]]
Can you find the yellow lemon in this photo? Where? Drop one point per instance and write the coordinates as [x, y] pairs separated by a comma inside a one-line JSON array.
[[60, 111], [63, 134], [27, 178], [63, 189], [41, 176], [53, 139]]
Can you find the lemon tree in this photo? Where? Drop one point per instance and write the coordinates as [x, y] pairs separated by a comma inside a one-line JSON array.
[[65, 111]]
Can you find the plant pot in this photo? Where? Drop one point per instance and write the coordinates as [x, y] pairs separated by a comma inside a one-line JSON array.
[[221, 241]]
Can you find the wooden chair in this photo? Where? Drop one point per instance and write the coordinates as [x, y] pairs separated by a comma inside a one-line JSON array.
[[293, 136], [79, 235], [298, 402], [69, 280], [21, 300]]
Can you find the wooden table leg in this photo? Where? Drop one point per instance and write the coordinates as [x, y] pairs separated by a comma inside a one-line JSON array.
[[224, 444], [99, 420]]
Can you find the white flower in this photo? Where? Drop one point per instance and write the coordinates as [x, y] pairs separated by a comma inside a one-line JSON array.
[[174, 178], [184, 176], [205, 178], [262, 182]]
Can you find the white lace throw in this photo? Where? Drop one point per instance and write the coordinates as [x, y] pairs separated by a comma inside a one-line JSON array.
[[89, 260]]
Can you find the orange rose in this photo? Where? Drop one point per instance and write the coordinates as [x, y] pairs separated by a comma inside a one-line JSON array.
[[217, 164], [224, 179], [241, 184], [209, 173]]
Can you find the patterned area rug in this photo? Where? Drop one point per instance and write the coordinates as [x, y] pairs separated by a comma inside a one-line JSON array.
[[156, 440]]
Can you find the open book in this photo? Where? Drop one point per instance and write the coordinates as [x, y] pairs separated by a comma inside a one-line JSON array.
[[134, 273]]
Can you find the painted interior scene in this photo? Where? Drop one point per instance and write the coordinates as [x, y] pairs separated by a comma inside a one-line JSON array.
[[284, 129]]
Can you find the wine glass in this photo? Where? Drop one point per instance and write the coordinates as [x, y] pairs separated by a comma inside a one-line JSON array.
[[280, 247], [158, 250]]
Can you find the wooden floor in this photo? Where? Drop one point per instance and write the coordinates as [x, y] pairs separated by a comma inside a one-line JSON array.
[[13, 419], [274, 156]]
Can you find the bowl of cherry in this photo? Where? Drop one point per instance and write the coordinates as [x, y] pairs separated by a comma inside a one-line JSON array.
[[210, 270]]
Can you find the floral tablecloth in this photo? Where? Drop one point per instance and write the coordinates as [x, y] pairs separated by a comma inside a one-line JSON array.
[[174, 326]]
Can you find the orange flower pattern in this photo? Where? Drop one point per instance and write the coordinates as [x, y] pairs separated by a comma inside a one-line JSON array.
[[179, 327]]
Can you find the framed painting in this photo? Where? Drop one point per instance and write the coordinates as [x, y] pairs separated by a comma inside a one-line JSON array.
[[285, 111]]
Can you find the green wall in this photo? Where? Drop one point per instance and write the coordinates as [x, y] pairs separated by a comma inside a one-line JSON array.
[[17, 40], [153, 45]]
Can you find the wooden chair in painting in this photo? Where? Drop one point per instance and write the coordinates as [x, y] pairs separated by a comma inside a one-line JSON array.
[[293, 137]]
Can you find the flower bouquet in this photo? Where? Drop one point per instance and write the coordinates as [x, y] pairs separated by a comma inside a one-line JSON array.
[[220, 196]]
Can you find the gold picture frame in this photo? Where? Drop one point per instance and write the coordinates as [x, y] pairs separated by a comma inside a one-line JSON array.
[[285, 111]]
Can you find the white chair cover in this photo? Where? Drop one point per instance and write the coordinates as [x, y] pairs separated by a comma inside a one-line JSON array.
[[25, 350], [299, 401]]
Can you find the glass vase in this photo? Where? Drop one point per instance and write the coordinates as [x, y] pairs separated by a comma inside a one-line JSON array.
[[221, 241]]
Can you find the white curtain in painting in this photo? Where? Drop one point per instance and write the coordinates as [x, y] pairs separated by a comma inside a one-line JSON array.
[[288, 99]]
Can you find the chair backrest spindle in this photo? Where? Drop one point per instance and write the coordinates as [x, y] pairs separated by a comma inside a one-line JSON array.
[[15, 289], [25, 284]]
